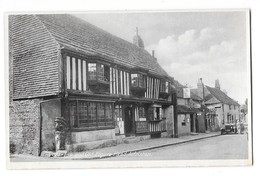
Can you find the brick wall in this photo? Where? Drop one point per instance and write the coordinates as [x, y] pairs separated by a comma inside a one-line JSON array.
[[24, 125]]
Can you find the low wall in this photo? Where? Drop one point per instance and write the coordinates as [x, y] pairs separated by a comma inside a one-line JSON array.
[[90, 136]]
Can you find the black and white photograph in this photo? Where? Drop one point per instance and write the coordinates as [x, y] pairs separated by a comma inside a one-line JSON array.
[[136, 88]]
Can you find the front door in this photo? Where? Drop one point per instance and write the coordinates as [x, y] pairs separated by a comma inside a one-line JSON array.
[[192, 123], [129, 121]]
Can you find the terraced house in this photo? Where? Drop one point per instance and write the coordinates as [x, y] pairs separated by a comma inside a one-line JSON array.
[[105, 88]]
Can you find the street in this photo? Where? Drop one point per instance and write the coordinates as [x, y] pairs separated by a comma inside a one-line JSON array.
[[222, 147]]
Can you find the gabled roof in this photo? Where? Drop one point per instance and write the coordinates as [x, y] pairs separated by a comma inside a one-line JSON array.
[[76, 34], [220, 96]]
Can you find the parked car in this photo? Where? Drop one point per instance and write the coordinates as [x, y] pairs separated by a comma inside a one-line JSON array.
[[229, 128]]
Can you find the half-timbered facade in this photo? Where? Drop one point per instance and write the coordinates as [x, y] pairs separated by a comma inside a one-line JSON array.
[[106, 88]]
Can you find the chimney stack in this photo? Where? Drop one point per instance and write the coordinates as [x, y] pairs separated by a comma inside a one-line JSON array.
[[153, 53], [217, 85]]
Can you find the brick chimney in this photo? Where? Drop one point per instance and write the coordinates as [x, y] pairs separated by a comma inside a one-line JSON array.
[[217, 85], [154, 55]]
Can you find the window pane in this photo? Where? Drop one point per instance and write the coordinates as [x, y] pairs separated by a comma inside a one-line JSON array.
[[134, 80], [109, 115], [166, 87], [118, 112], [92, 113], [73, 114], [141, 112], [141, 80], [83, 113], [101, 114], [101, 72], [92, 71]]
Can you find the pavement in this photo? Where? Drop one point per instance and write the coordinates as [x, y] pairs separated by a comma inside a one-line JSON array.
[[123, 149]]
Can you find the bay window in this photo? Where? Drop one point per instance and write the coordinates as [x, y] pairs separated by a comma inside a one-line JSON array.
[[137, 80], [164, 87], [90, 114], [99, 72]]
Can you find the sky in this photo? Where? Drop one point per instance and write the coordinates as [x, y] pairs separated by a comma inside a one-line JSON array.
[[190, 45]]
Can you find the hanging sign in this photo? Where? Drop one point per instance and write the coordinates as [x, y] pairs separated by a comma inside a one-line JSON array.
[[186, 92]]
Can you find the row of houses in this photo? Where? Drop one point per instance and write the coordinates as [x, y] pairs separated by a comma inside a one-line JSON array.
[[76, 86]]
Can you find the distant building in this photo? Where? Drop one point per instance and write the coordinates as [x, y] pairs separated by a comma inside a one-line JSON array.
[[189, 112], [222, 108]]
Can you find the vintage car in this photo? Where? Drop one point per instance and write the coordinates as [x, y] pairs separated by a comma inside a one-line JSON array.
[[229, 128]]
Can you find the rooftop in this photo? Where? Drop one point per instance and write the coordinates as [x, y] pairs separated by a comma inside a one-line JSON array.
[[76, 34]]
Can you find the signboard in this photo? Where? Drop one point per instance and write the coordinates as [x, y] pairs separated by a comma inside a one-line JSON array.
[[141, 126], [186, 92]]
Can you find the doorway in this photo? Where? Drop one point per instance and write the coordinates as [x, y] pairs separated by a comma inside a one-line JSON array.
[[191, 123], [129, 122]]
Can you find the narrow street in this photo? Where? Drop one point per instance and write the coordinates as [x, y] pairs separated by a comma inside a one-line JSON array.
[[222, 147]]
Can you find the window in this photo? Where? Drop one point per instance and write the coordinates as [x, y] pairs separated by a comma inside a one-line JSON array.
[[98, 72], [164, 86], [91, 114], [118, 112], [138, 80], [230, 107], [92, 71], [142, 112]]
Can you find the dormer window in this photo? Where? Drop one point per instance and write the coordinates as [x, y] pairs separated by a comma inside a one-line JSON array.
[[137, 80]]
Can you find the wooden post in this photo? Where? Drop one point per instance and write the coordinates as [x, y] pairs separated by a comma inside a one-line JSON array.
[[174, 103]]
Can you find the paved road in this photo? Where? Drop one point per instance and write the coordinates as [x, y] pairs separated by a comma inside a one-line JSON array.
[[222, 147]]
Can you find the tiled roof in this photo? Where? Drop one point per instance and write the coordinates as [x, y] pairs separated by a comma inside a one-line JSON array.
[[35, 49], [177, 84], [194, 96], [221, 96], [76, 33], [34, 54]]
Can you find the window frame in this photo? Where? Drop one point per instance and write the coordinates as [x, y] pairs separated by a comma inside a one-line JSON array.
[[97, 122], [140, 80], [164, 86]]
